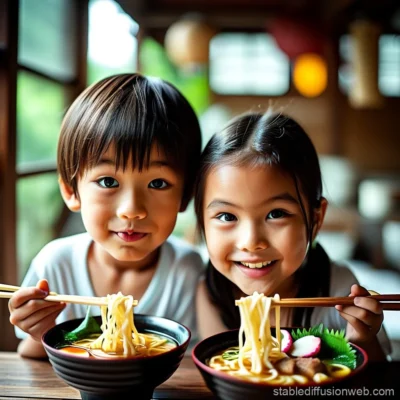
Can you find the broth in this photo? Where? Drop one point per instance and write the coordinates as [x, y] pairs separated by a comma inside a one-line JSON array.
[[156, 344]]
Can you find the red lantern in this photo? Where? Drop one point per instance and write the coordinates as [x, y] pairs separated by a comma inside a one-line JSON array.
[[296, 37]]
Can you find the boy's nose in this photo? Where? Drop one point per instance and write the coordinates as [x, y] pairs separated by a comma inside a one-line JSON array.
[[132, 207]]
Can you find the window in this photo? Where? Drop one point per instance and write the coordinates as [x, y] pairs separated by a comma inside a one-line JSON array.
[[388, 67], [38, 118], [46, 33], [47, 80], [112, 46], [248, 64]]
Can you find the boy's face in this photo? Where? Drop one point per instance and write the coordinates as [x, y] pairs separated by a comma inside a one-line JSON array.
[[129, 214], [254, 227]]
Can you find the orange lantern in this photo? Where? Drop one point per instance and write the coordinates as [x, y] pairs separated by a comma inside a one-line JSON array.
[[310, 74], [187, 42]]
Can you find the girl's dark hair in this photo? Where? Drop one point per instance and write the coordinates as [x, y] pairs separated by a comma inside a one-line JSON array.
[[131, 112], [267, 139]]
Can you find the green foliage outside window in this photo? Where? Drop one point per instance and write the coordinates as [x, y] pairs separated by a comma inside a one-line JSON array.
[[192, 83], [39, 206], [40, 109]]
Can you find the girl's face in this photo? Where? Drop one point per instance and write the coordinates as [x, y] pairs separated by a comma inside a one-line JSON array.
[[129, 214], [254, 227]]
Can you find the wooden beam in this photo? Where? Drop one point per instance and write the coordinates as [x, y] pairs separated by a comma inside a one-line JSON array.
[[134, 8], [331, 9], [8, 87], [34, 168], [81, 8], [221, 20]]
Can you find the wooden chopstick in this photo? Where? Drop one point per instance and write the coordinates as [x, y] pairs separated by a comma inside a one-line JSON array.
[[12, 288], [95, 301], [91, 301], [384, 299]]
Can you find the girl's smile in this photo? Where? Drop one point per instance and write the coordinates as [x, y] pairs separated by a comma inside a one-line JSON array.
[[255, 271], [254, 264]]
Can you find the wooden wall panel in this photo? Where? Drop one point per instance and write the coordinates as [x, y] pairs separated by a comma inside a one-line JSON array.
[[8, 71], [315, 115], [371, 138]]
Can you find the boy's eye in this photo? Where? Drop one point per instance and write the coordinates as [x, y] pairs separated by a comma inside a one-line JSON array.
[[158, 184], [108, 182], [226, 217], [275, 214]]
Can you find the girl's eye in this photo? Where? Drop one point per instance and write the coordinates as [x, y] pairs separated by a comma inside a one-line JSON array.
[[275, 214], [158, 184], [108, 182], [226, 217]]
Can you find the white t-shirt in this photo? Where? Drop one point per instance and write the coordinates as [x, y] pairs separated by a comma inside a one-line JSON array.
[[341, 281], [170, 294]]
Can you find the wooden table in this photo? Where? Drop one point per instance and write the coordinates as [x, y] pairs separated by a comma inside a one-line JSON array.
[[22, 378], [31, 379]]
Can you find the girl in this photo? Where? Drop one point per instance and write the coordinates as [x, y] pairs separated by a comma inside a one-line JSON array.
[[259, 204], [128, 154]]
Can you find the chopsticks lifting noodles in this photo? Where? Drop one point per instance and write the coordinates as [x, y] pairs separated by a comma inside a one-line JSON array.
[[8, 291], [388, 301]]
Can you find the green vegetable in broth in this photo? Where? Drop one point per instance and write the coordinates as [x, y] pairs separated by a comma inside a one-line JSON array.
[[87, 327], [116, 336], [231, 354]]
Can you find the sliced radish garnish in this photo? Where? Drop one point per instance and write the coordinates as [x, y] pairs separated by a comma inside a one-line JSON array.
[[286, 341], [307, 346]]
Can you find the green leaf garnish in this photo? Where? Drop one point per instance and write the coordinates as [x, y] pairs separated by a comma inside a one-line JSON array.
[[313, 331], [87, 327], [335, 348], [337, 342]]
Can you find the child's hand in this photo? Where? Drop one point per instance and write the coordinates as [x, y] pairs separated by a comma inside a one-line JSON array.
[[32, 314], [364, 318]]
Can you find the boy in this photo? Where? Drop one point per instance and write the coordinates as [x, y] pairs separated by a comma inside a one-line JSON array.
[[128, 153]]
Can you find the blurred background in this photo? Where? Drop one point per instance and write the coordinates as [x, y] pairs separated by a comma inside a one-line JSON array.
[[333, 65]]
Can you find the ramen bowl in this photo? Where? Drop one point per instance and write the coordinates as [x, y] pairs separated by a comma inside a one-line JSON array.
[[225, 386], [119, 377]]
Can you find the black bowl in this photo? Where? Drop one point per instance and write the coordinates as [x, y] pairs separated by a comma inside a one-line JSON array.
[[128, 377], [225, 386]]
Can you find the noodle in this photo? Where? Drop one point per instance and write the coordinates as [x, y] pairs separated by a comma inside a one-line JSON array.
[[120, 335], [257, 356], [260, 346]]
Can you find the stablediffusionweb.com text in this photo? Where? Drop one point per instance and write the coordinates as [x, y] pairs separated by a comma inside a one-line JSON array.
[[318, 391]]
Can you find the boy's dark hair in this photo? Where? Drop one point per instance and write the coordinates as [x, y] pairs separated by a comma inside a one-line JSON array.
[[266, 139], [131, 112]]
